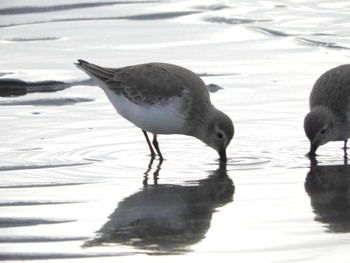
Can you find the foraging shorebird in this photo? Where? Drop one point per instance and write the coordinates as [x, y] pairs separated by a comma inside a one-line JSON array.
[[329, 116], [162, 98]]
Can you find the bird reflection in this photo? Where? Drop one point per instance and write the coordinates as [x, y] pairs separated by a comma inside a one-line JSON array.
[[155, 173], [167, 218], [329, 189]]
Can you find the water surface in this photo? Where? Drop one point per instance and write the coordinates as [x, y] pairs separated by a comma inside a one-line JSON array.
[[76, 179]]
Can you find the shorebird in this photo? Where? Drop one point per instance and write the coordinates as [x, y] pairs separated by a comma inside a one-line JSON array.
[[162, 98], [329, 116]]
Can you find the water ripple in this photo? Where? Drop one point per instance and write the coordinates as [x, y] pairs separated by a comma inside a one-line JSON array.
[[234, 21], [44, 9], [46, 102], [20, 39], [47, 256], [315, 43], [153, 16], [36, 185], [271, 32], [17, 87], [33, 203], [249, 161], [38, 166], [38, 239]]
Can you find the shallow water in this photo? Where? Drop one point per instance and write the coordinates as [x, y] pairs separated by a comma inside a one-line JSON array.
[[76, 182]]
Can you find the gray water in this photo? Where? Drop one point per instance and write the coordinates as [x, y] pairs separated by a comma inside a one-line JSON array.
[[76, 182]]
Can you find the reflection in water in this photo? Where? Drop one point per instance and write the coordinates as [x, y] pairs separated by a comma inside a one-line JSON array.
[[155, 173], [167, 218], [17, 87], [329, 189]]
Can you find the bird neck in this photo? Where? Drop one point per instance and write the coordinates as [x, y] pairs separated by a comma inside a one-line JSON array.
[[204, 126]]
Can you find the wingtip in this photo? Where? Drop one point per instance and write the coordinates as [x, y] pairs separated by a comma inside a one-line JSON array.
[[81, 62]]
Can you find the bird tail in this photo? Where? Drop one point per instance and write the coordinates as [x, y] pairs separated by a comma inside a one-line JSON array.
[[95, 71]]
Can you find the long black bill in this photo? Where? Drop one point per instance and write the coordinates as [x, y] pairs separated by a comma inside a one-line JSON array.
[[222, 154], [312, 152]]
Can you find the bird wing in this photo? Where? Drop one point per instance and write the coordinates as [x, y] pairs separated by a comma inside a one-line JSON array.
[[146, 83], [332, 89], [142, 84]]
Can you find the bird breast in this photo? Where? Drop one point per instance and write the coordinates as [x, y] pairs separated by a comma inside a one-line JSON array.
[[159, 118]]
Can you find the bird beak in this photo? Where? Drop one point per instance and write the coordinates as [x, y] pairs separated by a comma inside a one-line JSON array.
[[222, 154], [312, 152]]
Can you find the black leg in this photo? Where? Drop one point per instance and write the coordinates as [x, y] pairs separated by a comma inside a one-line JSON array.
[[153, 154], [345, 150], [156, 146]]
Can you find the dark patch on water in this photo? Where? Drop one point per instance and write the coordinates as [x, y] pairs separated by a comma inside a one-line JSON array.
[[156, 16], [36, 185], [45, 256], [46, 102], [38, 239], [233, 21], [20, 222], [5, 73], [17, 87], [56, 8], [34, 203], [301, 40], [214, 88], [40, 166], [315, 43], [214, 7], [271, 32], [152, 16], [19, 39]]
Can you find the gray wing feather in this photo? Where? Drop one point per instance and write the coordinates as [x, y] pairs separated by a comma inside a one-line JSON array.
[[334, 84], [144, 83]]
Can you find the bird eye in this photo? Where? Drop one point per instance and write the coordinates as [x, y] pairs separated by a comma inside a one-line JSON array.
[[220, 135], [323, 131]]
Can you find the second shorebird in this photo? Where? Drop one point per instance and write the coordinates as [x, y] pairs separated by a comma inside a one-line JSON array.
[[163, 98], [329, 116]]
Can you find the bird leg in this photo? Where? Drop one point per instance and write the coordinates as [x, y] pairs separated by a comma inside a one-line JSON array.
[[156, 146], [153, 154], [345, 149]]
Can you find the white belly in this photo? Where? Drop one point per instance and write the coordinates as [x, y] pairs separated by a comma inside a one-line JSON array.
[[157, 118]]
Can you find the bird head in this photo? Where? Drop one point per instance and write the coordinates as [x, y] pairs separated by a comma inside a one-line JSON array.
[[219, 133], [319, 127]]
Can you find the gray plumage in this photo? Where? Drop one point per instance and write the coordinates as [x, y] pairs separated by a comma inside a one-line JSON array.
[[329, 116], [162, 87]]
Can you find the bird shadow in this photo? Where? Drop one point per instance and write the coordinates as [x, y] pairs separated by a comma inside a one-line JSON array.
[[166, 218], [328, 187]]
